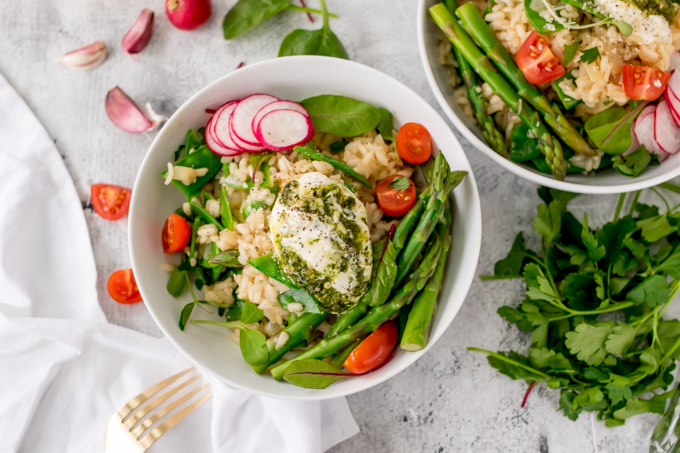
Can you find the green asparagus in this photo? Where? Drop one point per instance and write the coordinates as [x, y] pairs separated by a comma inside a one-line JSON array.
[[485, 122], [551, 149], [339, 359], [486, 38], [377, 316]]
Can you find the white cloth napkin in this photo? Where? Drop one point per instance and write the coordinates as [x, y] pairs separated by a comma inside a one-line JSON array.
[[63, 369]]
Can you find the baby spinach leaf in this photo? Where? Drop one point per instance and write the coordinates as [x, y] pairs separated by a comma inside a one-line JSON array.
[[348, 169], [590, 55], [522, 146], [251, 313], [300, 296], [228, 259], [570, 52], [247, 14], [313, 374], [399, 183], [533, 8], [177, 283], [186, 313], [385, 126], [341, 115], [568, 101], [314, 42], [634, 164], [201, 158], [610, 130]]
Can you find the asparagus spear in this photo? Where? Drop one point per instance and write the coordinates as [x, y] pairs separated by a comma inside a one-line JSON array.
[[376, 317], [297, 331], [339, 359], [551, 149], [417, 330], [492, 136], [485, 37]]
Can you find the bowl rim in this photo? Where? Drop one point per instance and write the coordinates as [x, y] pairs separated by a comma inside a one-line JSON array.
[[513, 167], [464, 284]]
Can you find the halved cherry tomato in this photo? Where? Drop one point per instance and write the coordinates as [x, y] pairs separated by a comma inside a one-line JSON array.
[[414, 143], [176, 234], [643, 82], [374, 350], [123, 287], [392, 201], [537, 61], [111, 202]]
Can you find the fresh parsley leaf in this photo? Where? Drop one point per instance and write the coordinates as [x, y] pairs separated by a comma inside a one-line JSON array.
[[567, 405], [653, 290], [634, 164], [621, 338], [596, 251], [547, 358], [587, 342], [538, 286], [619, 389], [570, 52], [399, 183], [655, 228], [511, 370], [635, 406], [590, 55], [511, 266]]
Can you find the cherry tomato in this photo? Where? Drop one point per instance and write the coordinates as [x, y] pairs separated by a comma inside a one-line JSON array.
[[644, 83], [374, 350], [110, 202], [123, 287], [537, 61], [176, 234], [392, 201], [414, 143]]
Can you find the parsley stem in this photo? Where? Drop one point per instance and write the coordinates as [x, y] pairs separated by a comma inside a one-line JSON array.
[[671, 351], [622, 198], [669, 186], [613, 307], [508, 360], [635, 199], [668, 208]]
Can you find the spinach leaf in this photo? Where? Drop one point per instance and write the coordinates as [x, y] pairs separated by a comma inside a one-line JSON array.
[[178, 282], [522, 147], [201, 158], [634, 164], [570, 52], [348, 169], [568, 102], [228, 259], [337, 147], [610, 130], [533, 8], [385, 126], [300, 296], [247, 14], [250, 313], [341, 115], [185, 314], [313, 374], [314, 42]]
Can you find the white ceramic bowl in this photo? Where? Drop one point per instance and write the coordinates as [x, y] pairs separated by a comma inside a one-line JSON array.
[[293, 78], [607, 181]]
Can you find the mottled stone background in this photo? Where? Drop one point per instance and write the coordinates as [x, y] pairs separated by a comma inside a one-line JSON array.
[[450, 400]]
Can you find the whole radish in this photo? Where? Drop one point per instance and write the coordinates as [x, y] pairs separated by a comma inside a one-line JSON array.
[[187, 14]]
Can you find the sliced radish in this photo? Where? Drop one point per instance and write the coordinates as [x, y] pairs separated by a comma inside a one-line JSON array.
[[666, 132], [674, 104], [247, 147], [220, 126], [675, 61], [644, 132], [281, 130], [277, 105], [634, 144], [216, 147], [242, 118], [674, 82]]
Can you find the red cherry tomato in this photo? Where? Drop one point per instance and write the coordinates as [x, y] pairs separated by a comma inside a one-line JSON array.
[[392, 201], [123, 287], [537, 61], [111, 202], [176, 234], [374, 350], [644, 83], [414, 143]]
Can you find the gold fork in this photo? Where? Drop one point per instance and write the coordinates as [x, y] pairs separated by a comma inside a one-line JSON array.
[[124, 433]]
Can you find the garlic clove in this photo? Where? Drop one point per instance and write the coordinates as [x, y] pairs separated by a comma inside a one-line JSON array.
[[125, 114], [136, 39], [85, 58]]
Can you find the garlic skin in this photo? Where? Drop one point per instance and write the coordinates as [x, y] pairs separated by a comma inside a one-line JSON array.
[[126, 115], [85, 58], [136, 39]]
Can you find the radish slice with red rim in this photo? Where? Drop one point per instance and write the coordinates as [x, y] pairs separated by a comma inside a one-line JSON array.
[[282, 130], [674, 104], [214, 146], [220, 126], [634, 144], [277, 105], [242, 118], [675, 61], [666, 132], [247, 147], [644, 132]]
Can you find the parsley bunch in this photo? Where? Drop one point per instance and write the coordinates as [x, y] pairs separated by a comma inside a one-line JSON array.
[[594, 305]]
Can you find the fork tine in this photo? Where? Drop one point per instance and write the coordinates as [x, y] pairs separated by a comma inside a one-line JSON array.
[[164, 427], [166, 410], [146, 394], [140, 413]]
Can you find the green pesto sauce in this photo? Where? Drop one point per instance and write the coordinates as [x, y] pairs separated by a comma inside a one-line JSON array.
[[351, 240], [663, 8]]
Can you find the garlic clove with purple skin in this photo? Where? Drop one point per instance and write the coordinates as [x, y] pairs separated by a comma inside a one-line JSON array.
[[85, 58], [136, 39], [125, 114]]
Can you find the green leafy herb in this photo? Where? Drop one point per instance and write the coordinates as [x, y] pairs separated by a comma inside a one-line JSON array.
[[178, 282], [625, 28], [570, 52], [252, 342], [399, 183], [590, 55], [341, 115], [300, 296], [314, 42], [385, 127], [228, 258], [313, 374], [250, 313], [201, 158], [610, 129], [185, 314], [533, 10], [635, 163], [522, 146], [348, 169], [624, 270]]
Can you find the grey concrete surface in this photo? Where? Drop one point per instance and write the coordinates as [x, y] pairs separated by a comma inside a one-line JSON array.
[[450, 400]]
